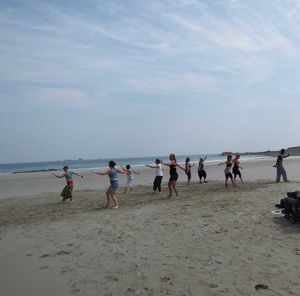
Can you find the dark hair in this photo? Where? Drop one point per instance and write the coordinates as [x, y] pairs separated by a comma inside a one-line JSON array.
[[65, 167], [187, 159], [282, 151], [229, 156], [128, 166], [172, 157], [157, 161], [112, 164]]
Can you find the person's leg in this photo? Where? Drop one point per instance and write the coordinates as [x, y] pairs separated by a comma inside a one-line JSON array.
[[108, 193], [226, 180], [278, 175], [114, 198], [155, 184], [70, 187], [200, 176], [204, 176], [284, 176], [232, 181], [241, 179], [170, 188], [189, 178], [173, 184], [159, 183]]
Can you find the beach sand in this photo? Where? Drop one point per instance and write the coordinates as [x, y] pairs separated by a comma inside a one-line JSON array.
[[213, 241]]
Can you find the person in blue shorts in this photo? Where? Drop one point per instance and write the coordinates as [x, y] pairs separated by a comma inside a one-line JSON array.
[[112, 173]]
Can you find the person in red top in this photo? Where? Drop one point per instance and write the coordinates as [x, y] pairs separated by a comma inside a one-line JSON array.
[[67, 192]]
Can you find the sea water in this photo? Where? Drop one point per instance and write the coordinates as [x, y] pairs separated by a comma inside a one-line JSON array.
[[82, 164]]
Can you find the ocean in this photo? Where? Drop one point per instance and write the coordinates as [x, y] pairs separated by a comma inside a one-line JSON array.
[[82, 164]]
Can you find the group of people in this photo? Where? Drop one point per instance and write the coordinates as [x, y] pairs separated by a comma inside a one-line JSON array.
[[113, 172], [232, 171]]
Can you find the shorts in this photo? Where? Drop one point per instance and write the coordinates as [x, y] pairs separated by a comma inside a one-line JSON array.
[[173, 178], [202, 174], [114, 185], [228, 175], [236, 172], [189, 175]]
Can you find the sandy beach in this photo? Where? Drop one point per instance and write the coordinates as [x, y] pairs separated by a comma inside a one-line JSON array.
[[213, 241]]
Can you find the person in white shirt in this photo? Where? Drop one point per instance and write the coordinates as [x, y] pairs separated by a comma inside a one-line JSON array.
[[158, 175]]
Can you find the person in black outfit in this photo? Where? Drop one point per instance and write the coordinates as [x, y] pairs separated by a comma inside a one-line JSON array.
[[173, 175]]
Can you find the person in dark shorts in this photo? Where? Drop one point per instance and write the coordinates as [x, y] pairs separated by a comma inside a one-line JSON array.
[[227, 171], [236, 169], [201, 170], [173, 175], [67, 192], [158, 175]]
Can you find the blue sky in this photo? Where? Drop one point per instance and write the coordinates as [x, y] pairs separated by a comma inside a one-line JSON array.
[[122, 78]]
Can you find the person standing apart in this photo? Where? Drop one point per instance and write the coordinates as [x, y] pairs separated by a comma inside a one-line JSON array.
[[67, 192], [279, 166], [173, 175], [158, 175], [112, 173]]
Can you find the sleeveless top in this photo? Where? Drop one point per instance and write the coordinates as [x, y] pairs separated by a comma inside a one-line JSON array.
[[113, 176], [173, 171], [69, 177], [228, 168]]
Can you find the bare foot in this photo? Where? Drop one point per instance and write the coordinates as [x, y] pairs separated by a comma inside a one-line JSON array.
[[115, 207], [170, 195]]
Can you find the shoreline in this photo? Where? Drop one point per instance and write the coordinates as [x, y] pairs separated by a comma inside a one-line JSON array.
[[24, 185]]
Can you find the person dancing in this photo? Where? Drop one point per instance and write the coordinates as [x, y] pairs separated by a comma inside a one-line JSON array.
[[112, 173], [173, 175], [67, 192], [158, 175]]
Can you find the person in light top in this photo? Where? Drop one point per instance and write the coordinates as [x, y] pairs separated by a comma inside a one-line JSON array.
[[158, 175], [129, 172]]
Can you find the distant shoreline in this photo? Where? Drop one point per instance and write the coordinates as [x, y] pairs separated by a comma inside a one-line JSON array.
[[294, 151]]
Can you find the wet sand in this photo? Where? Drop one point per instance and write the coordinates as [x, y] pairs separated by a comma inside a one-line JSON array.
[[213, 241]]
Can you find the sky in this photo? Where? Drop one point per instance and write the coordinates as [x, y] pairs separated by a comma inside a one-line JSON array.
[[124, 78]]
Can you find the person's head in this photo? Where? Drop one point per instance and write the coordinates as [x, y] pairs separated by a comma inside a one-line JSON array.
[[65, 168], [201, 159], [111, 164], [157, 161], [282, 151], [128, 167], [187, 159], [237, 156], [172, 157], [229, 157]]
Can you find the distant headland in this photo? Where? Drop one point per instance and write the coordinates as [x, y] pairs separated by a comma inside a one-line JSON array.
[[294, 151]]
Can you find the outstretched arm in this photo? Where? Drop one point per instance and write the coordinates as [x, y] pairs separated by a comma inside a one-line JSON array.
[[167, 164], [59, 176], [122, 171], [221, 163], [180, 167], [100, 173], [152, 166], [137, 173], [77, 174], [286, 156]]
